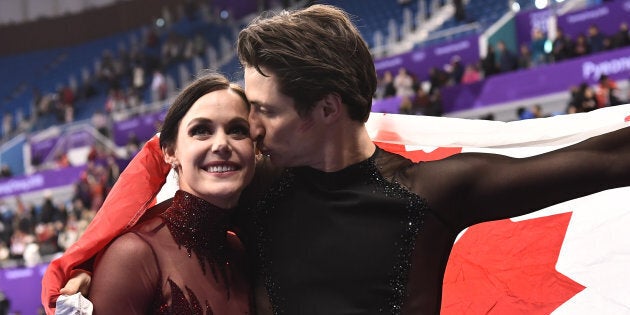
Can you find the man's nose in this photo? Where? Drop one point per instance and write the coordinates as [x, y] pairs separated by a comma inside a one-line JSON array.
[[256, 129]]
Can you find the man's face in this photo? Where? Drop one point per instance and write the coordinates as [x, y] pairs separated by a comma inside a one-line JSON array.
[[280, 132]]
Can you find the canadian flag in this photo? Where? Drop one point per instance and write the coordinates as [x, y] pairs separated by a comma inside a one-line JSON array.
[[571, 258]]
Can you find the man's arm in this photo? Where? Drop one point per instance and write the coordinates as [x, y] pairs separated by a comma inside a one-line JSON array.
[[469, 188]]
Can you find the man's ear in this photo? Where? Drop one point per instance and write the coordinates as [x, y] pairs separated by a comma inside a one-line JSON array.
[[331, 106]]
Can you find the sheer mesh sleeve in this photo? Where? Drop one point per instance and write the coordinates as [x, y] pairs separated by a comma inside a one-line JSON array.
[[125, 277]]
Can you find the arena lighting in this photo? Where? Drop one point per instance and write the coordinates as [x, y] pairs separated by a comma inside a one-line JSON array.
[[541, 4], [516, 7], [224, 14], [159, 22], [548, 46]]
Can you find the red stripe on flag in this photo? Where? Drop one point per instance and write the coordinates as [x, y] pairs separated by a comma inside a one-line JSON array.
[[419, 155]]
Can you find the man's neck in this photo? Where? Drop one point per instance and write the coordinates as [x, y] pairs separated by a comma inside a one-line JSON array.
[[348, 146]]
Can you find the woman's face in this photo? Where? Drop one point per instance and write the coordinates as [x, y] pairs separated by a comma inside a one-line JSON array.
[[213, 153]]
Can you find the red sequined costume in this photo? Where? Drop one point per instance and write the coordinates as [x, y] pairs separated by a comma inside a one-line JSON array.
[[180, 261]]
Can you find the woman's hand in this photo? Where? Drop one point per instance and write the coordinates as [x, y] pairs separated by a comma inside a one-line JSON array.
[[79, 282]]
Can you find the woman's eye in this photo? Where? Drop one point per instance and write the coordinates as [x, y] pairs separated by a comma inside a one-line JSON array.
[[239, 131], [200, 131]]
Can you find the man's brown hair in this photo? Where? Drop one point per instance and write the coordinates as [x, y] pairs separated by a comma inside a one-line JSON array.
[[312, 52]]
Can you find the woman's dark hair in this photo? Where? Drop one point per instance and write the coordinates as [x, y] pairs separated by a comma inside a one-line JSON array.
[[203, 85]]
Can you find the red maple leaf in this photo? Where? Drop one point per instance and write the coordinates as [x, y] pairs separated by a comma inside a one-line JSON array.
[[505, 267]]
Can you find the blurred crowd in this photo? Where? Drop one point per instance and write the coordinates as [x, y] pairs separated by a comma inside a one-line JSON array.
[[424, 98], [31, 233], [125, 79], [34, 232]]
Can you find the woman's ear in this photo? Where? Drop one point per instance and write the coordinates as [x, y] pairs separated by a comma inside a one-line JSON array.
[[169, 157]]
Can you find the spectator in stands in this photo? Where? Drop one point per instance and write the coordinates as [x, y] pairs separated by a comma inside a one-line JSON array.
[[49, 213], [489, 63], [84, 213], [538, 112], [137, 81], [586, 100], [48, 226], [523, 113], [19, 241], [607, 92], [471, 74], [5, 304], [608, 43], [96, 180], [421, 103], [506, 59], [82, 191], [6, 222], [580, 47], [158, 86], [66, 95], [107, 71], [457, 69], [438, 78], [622, 37], [572, 104], [112, 171], [538, 53], [172, 49], [87, 89], [5, 171], [561, 46], [4, 252], [525, 57], [435, 105], [387, 82], [7, 125], [133, 144], [100, 122], [115, 101], [595, 39], [133, 103], [70, 233], [405, 106], [61, 160], [403, 82]]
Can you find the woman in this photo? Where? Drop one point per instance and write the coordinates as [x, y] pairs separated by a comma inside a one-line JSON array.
[[182, 260]]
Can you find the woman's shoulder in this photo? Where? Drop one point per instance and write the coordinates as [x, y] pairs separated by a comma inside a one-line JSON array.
[[129, 246]]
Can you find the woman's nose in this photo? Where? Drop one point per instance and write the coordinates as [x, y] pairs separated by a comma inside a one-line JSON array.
[[220, 144]]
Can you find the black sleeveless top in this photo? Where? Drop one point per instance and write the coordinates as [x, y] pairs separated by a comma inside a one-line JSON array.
[[340, 242]]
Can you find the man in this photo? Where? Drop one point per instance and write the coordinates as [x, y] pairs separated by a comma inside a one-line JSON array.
[[335, 225]]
